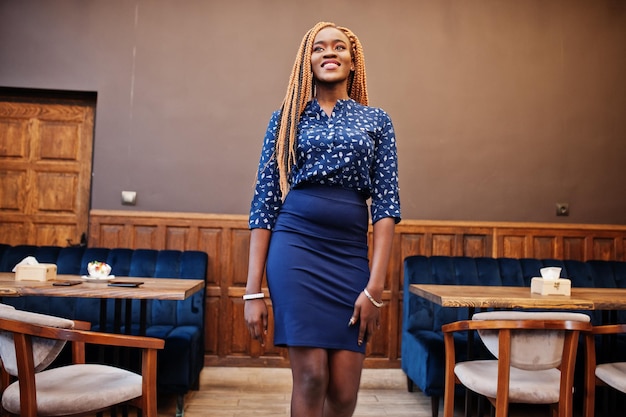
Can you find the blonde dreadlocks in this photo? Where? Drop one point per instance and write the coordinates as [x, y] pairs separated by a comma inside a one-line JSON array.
[[301, 90]]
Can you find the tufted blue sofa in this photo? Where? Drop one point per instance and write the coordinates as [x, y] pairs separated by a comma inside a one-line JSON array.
[[422, 349], [179, 323]]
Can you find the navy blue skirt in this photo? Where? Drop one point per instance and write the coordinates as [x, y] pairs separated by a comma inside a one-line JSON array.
[[317, 266]]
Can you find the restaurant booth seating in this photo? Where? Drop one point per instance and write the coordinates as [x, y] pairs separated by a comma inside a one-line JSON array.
[[422, 346], [179, 323]]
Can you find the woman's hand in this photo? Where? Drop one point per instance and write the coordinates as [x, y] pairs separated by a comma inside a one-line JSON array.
[[367, 315], [255, 314]]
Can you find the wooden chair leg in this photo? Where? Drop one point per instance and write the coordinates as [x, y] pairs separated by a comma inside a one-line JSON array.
[[434, 405]]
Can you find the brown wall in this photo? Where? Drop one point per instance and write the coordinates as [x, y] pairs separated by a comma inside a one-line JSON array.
[[502, 108]]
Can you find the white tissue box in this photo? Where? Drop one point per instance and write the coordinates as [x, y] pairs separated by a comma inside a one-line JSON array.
[[38, 272], [560, 286]]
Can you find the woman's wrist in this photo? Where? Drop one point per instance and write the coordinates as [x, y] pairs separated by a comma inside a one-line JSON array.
[[253, 296], [376, 303]]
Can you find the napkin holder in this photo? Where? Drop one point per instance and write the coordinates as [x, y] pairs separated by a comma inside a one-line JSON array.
[[37, 272], [559, 286]]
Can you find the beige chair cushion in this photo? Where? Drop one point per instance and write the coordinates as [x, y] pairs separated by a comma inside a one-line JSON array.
[[44, 350], [73, 389], [524, 343], [613, 374], [530, 387]]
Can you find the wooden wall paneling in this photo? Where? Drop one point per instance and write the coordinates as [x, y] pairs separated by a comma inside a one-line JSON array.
[[410, 244], [604, 248], [545, 247], [573, 247], [176, 237], [477, 245], [12, 232], [111, 236], [235, 281], [237, 344], [512, 246], [444, 244], [239, 259], [209, 240], [145, 236], [396, 344], [212, 337], [225, 239], [450, 241]]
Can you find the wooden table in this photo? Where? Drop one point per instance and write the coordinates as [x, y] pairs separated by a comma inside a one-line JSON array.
[[152, 288], [478, 296]]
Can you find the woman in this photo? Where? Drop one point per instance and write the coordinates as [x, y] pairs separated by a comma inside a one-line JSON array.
[[324, 154]]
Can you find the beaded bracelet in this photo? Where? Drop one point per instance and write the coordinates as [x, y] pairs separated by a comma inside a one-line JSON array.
[[378, 304], [254, 296]]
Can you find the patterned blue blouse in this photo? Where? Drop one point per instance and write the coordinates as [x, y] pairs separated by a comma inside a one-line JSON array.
[[353, 148]]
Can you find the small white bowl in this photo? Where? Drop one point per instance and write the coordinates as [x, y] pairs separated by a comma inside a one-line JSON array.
[[551, 272], [98, 269]]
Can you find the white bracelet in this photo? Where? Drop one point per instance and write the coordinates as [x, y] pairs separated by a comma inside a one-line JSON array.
[[378, 304], [254, 296]]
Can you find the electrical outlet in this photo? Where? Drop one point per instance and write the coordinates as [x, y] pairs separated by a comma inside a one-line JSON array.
[[562, 209]]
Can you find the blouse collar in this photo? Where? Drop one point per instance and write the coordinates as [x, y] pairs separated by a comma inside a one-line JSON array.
[[313, 107]]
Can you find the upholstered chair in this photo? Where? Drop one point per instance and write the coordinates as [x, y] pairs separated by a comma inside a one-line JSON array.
[[609, 373], [534, 357], [29, 342]]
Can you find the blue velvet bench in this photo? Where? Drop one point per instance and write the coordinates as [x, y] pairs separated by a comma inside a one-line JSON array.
[[179, 323], [422, 348]]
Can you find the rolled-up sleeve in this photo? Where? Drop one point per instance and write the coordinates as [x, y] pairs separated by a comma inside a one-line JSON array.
[[384, 173], [266, 201]]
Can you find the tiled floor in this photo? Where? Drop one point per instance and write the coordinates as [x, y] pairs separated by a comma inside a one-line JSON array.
[[265, 392]]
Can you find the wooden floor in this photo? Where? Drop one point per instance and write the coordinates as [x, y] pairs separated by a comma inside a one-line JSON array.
[[266, 392]]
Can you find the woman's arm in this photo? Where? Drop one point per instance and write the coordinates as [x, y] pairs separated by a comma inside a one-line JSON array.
[[255, 311], [383, 238], [365, 312]]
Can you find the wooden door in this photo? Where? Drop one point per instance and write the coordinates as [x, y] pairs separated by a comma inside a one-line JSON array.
[[45, 171]]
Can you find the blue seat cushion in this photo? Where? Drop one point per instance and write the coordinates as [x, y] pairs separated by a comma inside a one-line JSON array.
[[427, 348], [181, 359]]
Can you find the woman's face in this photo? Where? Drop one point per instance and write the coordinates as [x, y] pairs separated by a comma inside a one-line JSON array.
[[331, 58]]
